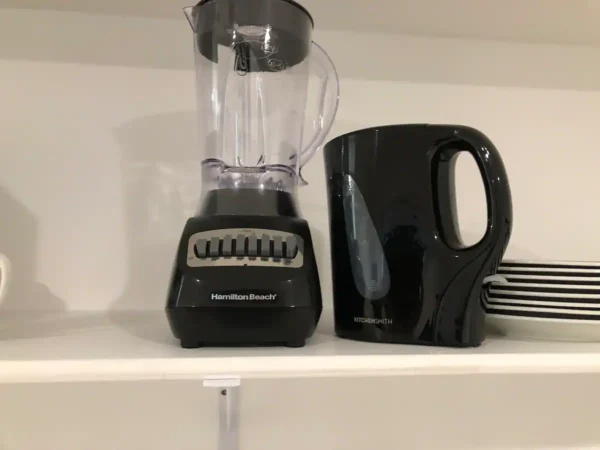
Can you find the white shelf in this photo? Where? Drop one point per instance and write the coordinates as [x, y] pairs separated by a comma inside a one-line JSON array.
[[79, 347], [542, 21]]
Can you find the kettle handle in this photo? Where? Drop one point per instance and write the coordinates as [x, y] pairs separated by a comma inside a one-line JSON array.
[[495, 180], [329, 93]]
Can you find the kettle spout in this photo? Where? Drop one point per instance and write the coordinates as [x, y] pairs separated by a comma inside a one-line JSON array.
[[189, 14]]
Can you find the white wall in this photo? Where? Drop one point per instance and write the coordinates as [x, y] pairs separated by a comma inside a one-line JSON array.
[[98, 160]]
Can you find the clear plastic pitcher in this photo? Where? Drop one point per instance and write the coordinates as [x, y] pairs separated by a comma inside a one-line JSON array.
[[267, 94]]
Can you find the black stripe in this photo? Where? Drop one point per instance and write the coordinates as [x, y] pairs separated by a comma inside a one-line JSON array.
[[565, 282], [542, 315], [552, 273], [546, 299], [542, 265], [499, 287]]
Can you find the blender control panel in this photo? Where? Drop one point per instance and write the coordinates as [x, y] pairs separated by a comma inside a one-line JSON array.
[[245, 247]]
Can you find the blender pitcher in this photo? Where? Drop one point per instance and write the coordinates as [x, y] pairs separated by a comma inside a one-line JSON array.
[[245, 271], [267, 95]]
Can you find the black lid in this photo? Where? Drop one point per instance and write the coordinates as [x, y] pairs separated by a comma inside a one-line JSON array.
[[292, 2], [289, 32]]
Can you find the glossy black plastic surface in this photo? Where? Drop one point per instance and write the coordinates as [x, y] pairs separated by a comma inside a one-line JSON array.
[[196, 320], [400, 271], [290, 28], [248, 202]]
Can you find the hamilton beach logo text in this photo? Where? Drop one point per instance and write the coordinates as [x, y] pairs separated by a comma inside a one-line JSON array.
[[373, 321], [244, 297]]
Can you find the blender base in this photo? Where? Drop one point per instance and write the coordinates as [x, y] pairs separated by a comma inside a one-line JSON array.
[[203, 327], [243, 280]]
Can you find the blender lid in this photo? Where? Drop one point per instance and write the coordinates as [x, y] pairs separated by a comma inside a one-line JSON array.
[[291, 2], [266, 35]]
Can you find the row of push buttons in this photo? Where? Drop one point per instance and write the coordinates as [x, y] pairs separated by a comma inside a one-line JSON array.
[[250, 246]]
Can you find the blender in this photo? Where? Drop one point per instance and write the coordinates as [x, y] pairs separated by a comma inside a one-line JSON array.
[[245, 271]]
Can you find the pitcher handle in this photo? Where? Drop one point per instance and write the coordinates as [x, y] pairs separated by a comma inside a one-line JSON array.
[[329, 100]]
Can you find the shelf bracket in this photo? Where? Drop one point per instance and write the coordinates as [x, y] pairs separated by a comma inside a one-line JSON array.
[[229, 409]]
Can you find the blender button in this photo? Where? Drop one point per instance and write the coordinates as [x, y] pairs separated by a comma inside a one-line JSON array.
[[265, 246], [227, 245], [277, 247], [214, 247], [240, 245], [200, 248], [252, 246], [291, 247]]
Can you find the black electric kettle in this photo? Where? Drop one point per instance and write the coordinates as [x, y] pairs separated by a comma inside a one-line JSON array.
[[400, 270]]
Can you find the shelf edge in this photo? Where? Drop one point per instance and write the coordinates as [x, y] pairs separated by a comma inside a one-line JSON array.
[[108, 370]]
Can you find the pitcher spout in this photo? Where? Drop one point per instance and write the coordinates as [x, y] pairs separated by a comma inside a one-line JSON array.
[[189, 14]]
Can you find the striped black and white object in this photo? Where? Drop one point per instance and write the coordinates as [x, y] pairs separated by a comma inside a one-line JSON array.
[[548, 289]]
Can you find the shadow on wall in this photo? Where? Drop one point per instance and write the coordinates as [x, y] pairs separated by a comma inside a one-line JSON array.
[[26, 297], [161, 182], [19, 236]]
